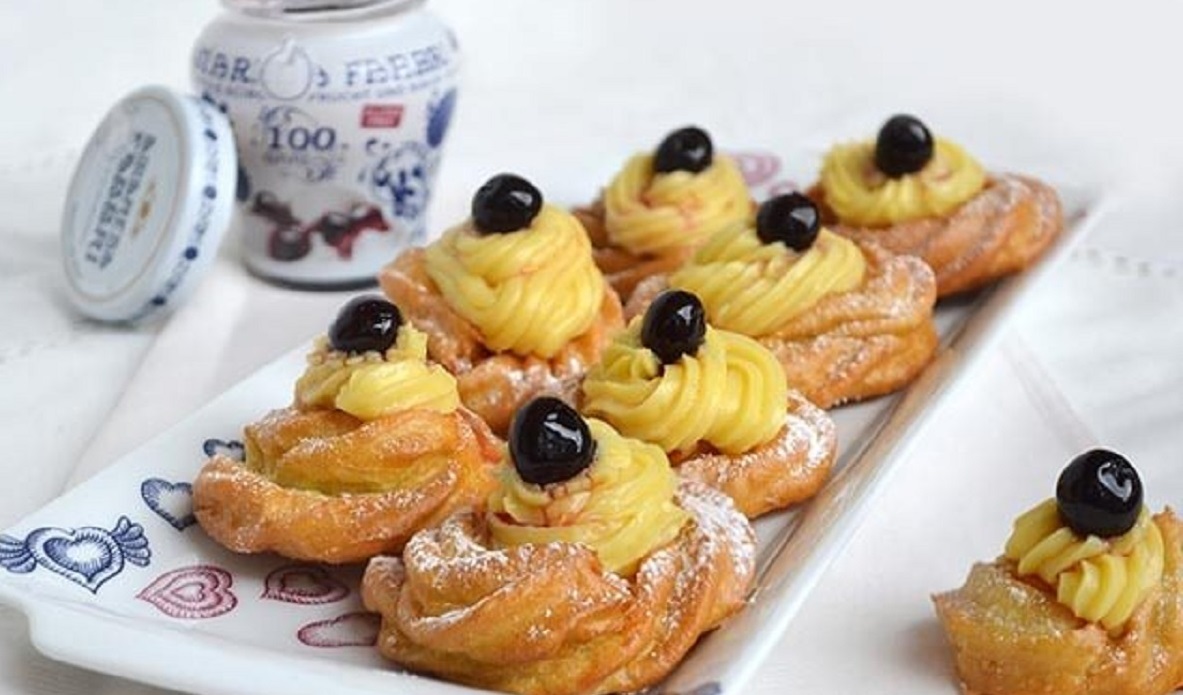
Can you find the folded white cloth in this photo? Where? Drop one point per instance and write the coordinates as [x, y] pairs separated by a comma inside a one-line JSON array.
[[233, 325], [59, 374]]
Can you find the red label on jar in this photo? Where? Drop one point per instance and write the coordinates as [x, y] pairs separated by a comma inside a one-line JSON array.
[[381, 115]]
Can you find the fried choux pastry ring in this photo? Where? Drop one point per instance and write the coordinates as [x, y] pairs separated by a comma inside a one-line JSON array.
[[375, 447], [1087, 598], [594, 570], [662, 206], [717, 402], [846, 321], [915, 194], [510, 300]]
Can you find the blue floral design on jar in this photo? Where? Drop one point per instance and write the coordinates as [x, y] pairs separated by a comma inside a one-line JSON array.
[[439, 117], [401, 179]]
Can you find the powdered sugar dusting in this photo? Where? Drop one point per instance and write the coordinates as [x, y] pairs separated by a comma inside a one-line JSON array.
[[789, 469], [848, 339], [982, 239], [723, 527], [553, 601]]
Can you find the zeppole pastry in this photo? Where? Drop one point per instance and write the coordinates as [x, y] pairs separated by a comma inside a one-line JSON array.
[[662, 206], [510, 299], [847, 320], [375, 447], [914, 194], [594, 570], [717, 402], [1087, 598]]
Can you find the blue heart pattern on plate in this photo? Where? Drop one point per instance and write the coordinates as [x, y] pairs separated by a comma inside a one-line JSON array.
[[87, 556], [172, 502], [230, 448]]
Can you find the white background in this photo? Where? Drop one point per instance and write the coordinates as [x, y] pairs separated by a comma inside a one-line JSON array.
[[1084, 93]]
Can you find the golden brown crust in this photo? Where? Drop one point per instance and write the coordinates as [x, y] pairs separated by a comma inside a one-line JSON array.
[[789, 469], [438, 463], [548, 619], [1011, 637], [999, 231], [623, 269], [493, 385], [853, 345]]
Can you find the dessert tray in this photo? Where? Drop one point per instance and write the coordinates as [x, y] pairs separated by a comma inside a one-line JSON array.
[[117, 576]]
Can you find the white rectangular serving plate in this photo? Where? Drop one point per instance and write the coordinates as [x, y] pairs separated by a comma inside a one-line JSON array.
[[116, 577]]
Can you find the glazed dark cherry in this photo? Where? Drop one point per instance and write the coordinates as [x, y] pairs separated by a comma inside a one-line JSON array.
[[674, 325], [549, 442], [506, 203], [791, 218], [1099, 493], [904, 146], [686, 149], [365, 323]]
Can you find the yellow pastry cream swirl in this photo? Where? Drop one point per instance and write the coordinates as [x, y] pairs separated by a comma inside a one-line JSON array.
[[530, 291], [372, 384], [731, 394], [622, 506], [755, 288], [862, 195], [654, 213], [1102, 580]]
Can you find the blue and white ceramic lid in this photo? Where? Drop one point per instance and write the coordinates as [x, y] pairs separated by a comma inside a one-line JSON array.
[[148, 205]]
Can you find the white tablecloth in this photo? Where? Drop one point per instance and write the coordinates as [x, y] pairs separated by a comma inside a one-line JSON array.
[[1081, 93]]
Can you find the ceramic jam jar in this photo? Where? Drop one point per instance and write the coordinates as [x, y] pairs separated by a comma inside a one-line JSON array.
[[339, 111]]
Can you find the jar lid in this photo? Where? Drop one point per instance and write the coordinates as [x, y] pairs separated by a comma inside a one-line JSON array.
[[149, 202], [320, 9]]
